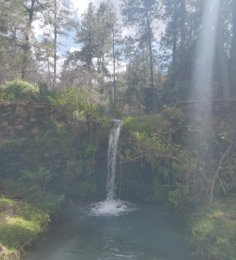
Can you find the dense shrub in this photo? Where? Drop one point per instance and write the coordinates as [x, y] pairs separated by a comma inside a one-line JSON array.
[[213, 232], [75, 101], [19, 90], [154, 142]]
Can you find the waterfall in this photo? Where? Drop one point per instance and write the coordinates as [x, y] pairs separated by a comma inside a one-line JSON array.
[[112, 206], [111, 159]]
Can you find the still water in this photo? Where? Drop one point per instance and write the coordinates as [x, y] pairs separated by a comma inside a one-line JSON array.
[[146, 233]]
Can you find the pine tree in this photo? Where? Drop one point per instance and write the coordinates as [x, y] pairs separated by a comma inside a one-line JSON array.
[[142, 14], [61, 19]]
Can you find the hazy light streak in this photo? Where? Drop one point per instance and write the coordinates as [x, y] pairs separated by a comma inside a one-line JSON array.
[[202, 88], [202, 81]]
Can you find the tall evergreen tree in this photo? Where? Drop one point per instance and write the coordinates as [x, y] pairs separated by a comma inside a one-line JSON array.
[[87, 37], [60, 18], [141, 14]]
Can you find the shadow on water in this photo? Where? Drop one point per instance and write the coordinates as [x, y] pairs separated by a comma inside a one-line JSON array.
[[149, 233]]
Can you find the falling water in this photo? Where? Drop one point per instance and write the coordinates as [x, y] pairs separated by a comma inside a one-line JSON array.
[[202, 78], [112, 206], [111, 159]]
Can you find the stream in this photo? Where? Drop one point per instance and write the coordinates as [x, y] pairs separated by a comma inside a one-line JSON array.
[[147, 233]]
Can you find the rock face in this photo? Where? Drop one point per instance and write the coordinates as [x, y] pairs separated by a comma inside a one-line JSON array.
[[20, 119]]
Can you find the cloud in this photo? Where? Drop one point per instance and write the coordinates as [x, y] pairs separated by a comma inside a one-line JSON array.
[[81, 6], [72, 49], [38, 29]]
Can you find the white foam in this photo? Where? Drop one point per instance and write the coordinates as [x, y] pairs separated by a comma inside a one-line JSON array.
[[111, 208]]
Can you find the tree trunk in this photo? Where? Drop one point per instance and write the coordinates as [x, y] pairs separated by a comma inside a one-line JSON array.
[[233, 51], [220, 166], [26, 45], [150, 51], [175, 36], [174, 50], [182, 24], [182, 54], [222, 76], [114, 71], [55, 46], [149, 31]]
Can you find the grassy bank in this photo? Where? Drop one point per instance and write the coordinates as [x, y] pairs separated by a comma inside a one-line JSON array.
[[20, 224]]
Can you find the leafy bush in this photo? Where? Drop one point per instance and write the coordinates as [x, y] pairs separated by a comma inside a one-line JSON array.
[[179, 199], [145, 124], [18, 90], [214, 235], [76, 101], [164, 123], [155, 141]]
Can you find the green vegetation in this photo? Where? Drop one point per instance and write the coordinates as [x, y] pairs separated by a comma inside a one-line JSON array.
[[18, 90], [58, 142], [53, 149], [168, 120], [161, 162], [49, 153], [54, 127], [20, 224], [156, 141], [214, 231], [76, 101]]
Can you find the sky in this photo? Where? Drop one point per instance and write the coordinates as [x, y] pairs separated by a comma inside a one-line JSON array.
[[81, 5]]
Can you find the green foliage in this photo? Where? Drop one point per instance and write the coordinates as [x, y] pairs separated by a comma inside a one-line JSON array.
[[58, 162], [48, 201], [155, 141], [127, 120], [180, 199], [169, 120], [40, 177], [213, 233], [147, 124], [84, 189], [18, 90], [20, 224], [76, 101], [170, 165]]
